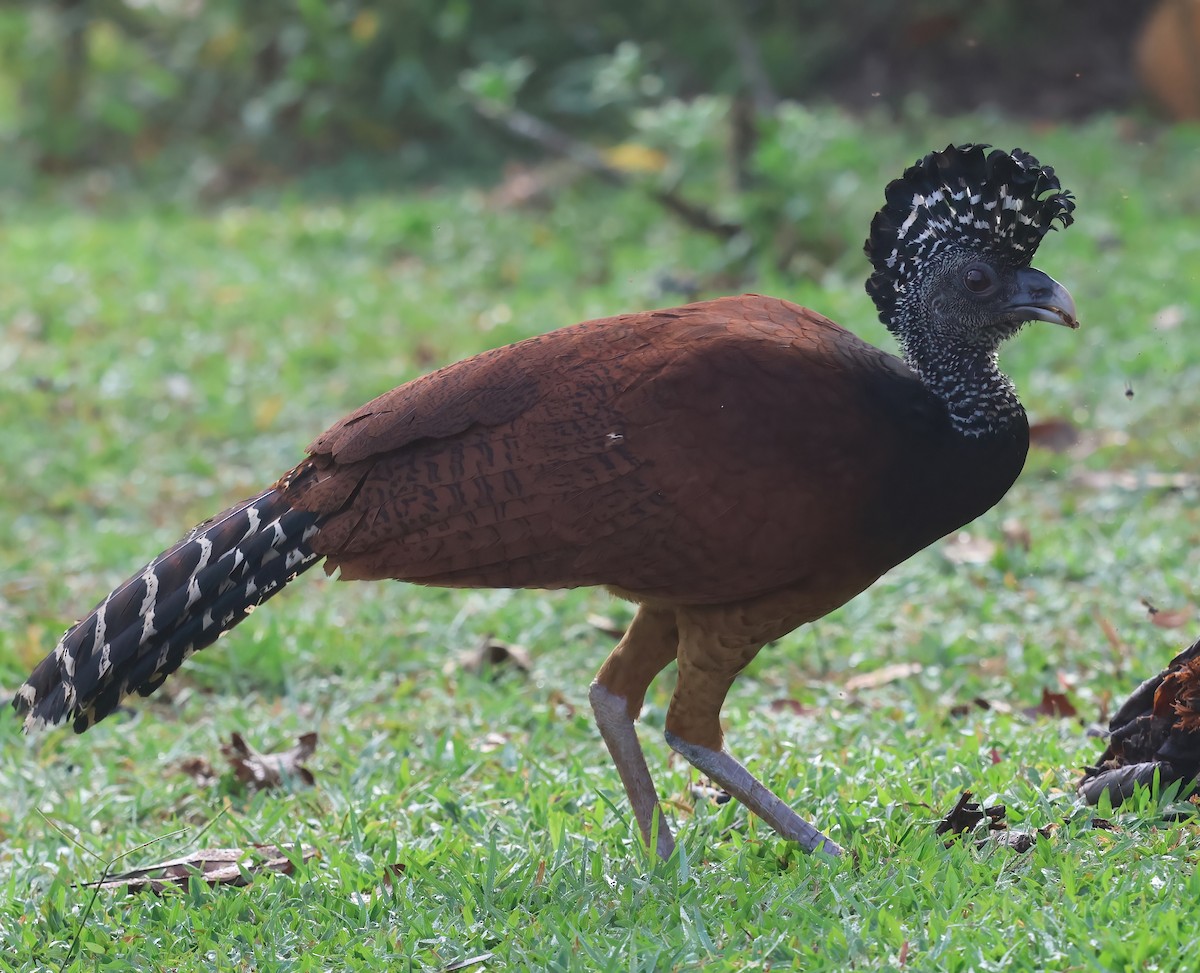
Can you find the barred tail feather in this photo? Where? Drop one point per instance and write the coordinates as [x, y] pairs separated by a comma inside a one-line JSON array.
[[179, 603]]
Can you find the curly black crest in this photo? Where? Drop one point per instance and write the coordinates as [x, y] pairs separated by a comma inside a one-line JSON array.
[[999, 203]]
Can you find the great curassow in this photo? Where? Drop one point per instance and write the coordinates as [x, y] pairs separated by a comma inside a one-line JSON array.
[[736, 468]]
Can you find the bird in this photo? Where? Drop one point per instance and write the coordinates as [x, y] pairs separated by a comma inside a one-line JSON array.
[[735, 468]]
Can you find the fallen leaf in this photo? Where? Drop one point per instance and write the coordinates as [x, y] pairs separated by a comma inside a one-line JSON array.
[[462, 964], [557, 698], [492, 742], [532, 186], [264, 771], [1128, 480], [1155, 734], [200, 770], [785, 704], [609, 626], [425, 355], [707, 792], [925, 29], [215, 866], [1021, 841], [1170, 317], [366, 898], [1176, 619], [967, 815], [268, 411], [979, 702], [962, 709], [633, 157], [1056, 435], [1016, 534], [1167, 619], [882, 676], [965, 548], [491, 656], [1054, 705], [1110, 634]]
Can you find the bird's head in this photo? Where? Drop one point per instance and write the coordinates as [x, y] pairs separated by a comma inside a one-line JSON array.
[[952, 248]]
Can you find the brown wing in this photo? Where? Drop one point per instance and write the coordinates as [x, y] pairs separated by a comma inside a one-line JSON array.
[[669, 454]]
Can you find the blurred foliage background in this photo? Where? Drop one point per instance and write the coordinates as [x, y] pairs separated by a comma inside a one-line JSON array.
[[707, 105], [283, 85]]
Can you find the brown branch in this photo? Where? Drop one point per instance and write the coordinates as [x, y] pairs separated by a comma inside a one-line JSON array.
[[534, 129]]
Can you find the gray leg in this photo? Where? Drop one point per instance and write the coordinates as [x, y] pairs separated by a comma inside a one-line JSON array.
[[725, 770], [617, 696], [620, 736], [713, 648]]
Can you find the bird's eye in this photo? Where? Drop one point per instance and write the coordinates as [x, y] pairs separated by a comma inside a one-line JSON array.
[[979, 280]]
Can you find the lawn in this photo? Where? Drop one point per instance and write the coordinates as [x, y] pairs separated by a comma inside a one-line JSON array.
[[161, 358]]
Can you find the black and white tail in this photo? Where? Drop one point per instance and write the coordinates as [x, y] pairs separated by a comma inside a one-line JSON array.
[[177, 604]]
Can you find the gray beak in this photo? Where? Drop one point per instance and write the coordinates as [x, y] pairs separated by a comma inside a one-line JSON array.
[[1040, 297]]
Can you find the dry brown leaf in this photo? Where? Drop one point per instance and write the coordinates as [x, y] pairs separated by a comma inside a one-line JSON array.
[[1155, 734], [965, 548], [426, 355], [490, 656], [1055, 705], [1056, 435], [786, 704], [979, 702], [709, 792], [264, 771], [1175, 618], [962, 709], [882, 676], [215, 866], [609, 626], [1111, 636], [1016, 534], [1171, 619], [966, 815], [532, 186], [1021, 841], [556, 698], [200, 770]]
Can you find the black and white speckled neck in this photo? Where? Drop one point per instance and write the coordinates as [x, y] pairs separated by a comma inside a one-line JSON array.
[[980, 399]]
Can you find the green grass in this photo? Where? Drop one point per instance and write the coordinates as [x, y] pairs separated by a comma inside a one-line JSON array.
[[159, 361]]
